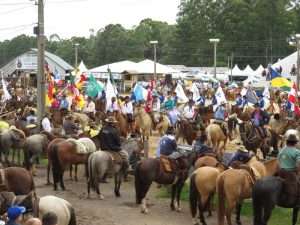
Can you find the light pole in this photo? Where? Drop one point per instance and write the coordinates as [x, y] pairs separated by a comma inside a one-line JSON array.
[[215, 42], [76, 57], [154, 43], [295, 41]]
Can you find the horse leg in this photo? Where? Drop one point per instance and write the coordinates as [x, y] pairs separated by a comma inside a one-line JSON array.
[[13, 156], [48, 172], [118, 181], [238, 213], [173, 193], [61, 181], [295, 215], [179, 187], [19, 156], [76, 177], [230, 206], [267, 209], [71, 171]]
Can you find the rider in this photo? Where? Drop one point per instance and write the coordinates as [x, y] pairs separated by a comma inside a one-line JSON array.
[[201, 147], [201, 100], [239, 100], [69, 126], [168, 143], [289, 162], [113, 105], [64, 104], [127, 109], [220, 116], [89, 108], [110, 140], [245, 101], [261, 101], [214, 101], [260, 119], [240, 155], [175, 97], [189, 110]]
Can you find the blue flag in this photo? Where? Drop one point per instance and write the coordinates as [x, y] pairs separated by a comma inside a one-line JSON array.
[[138, 92]]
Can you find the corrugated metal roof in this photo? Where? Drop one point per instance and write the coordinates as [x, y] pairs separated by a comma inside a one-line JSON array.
[[57, 59], [180, 68], [220, 70]]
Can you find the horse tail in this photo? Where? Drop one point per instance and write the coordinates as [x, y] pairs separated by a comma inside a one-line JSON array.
[[26, 157], [72, 220], [91, 179], [256, 204], [221, 199], [138, 183], [194, 195], [209, 138], [56, 167]]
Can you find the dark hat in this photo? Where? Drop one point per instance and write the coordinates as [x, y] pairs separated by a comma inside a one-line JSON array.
[[15, 211], [170, 130], [89, 97], [191, 101], [127, 97], [256, 105], [292, 137], [111, 119]]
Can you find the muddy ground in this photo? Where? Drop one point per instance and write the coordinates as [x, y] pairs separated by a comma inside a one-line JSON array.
[[121, 211]]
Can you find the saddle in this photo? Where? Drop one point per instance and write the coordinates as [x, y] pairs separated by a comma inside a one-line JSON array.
[[115, 156], [175, 163], [291, 182]]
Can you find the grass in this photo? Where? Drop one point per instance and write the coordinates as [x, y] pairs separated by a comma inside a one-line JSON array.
[[43, 159], [279, 216]]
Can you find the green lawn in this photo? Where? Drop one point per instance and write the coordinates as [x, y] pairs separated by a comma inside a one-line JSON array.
[[43, 159], [280, 216]]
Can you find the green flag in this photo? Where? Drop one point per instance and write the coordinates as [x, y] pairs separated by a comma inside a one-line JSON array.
[[111, 76], [93, 88]]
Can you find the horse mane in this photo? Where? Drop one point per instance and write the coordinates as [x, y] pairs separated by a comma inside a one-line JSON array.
[[49, 135]]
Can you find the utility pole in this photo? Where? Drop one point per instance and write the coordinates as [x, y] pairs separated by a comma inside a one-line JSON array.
[[231, 64], [76, 57], [295, 41], [41, 84], [154, 43], [215, 42]]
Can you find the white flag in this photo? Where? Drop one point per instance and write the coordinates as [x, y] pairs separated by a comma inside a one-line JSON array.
[[181, 95], [266, 93], [5, 91], [195, 90], [220, 95]]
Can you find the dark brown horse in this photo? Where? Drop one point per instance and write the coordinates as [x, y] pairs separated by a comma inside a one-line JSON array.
[[187, 131], [150, 170], [207, 113], [17, 180]]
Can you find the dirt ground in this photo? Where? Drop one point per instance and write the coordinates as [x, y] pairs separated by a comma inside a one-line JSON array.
[[121, 211]]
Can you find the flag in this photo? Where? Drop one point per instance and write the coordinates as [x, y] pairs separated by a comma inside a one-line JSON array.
[[110, 76], [57, 78], [220, 95], [195, 90], [93, 87], [5, 91], [79, 83], [293, 93], [279, 81], [266, 94], [138, 92], [51, 87], [180, 93]]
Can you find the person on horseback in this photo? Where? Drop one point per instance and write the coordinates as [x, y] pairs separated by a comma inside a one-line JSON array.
[[239, 100], [214, 101], [175, 97], [113, 106], [220, 116], [289, 163], [201, 101], [201, 147], [110, 140], [261, 101], [46, 124], [69, 126], [189, 110], [168, 143], [260, 119], [89, 108], [64, 104], [241, 155], [245, 101], [127, 109]]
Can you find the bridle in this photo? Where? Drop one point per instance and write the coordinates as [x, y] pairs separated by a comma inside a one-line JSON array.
[[244, 135]]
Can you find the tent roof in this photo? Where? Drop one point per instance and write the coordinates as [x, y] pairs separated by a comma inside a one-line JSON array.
[[82, 68], [235, 71], [247, 71], [286, 64], [117, 67], [147, 67]]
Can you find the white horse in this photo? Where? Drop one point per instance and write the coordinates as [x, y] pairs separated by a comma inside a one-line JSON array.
[[62, 208]]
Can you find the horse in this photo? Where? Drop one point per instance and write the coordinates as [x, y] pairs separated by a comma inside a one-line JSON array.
[[17, 180], [68, 152], [206, 161], [149, 170], [144, 122], [235, 109], [266, 194], [34, 146], [81, 118], [207, 113], [233, 123], [122, 123], [236, 185], [102, 162], [253, 140], [56, 118], [215, 136], [202, 189], [39, 206], [11, 138], [162, 122], [187, 131]]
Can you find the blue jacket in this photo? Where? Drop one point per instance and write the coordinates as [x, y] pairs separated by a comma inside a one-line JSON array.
[[245, 102], [219, 114], [264, 117], [201, 101], [168, 145], [239, 156], [162, 98], [214, 101], [202, 148], [239, 101], [64, 104], [175, 99], [262, 103], [103, 95]]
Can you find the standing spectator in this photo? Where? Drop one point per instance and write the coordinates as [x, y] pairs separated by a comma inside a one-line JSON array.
[[50, 218], [14, 214], [33, 221], [46, 122], [31, 117], [64, 104]]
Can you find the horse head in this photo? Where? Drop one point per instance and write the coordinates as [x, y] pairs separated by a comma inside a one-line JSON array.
[[6, 199], [156, 117]]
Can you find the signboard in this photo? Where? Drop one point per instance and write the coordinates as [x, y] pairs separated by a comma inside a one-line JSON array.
[[27, 61]]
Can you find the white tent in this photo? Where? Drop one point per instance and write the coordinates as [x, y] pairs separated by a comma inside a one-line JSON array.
[[117, 67], [81, 69], [235, 71], [258, 71], [286, 64], [147, 67], [247, 71]]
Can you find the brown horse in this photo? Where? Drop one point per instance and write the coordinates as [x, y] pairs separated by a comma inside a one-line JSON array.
[[207, 113], [187, 131], [17, 180], [206, 161], [150, 170], [66, 153], [236, 185], [202, 189], [215, 136], [122, 123]]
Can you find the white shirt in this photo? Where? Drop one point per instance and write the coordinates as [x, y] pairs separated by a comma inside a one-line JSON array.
[[188, 112], [46, 124], [113, 107], [155, 106], [30, 117], [127, 108], [89, 107]]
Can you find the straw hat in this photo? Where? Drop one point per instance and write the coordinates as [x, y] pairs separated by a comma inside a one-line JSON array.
[[111, 119]]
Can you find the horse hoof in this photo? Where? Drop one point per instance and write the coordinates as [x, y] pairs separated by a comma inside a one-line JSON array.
[[145, 211], [100, 197], [238, 222], [117, 193], [55, 189], [178, 209], [63, 188]]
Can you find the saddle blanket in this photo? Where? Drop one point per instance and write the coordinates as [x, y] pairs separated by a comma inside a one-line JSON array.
[[83, 145], [2, 177], [115, 156]]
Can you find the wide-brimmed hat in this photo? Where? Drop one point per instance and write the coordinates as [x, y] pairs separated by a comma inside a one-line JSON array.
[[222, 103], [126, 97], [256, 105], [170, 130], [292, 137], [111, 119]]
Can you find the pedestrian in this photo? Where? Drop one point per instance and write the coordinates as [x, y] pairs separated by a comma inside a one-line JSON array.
[[14, 214], [50, 218]]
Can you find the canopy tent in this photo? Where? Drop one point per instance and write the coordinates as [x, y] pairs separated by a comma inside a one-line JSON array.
[[147, 67], [286, 64], [80, 69], [247, 71], [235, 71], [117, 67], [259, 70]]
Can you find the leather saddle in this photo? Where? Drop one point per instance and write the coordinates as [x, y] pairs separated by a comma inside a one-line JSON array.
[[175, 163], [115, 156]]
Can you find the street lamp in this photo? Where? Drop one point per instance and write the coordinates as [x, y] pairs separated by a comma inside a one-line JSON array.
[[215, 42], [154, 43], [76, 56], [295, 41]]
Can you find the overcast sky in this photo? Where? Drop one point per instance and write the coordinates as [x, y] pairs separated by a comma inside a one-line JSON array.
[[70, 18]]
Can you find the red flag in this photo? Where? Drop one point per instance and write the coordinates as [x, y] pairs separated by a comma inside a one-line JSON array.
[[149, 96], [151, 85], [293, 93]]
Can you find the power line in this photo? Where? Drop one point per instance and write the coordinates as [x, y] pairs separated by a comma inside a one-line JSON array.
[[17, 3], [15, 27], [14, 10]]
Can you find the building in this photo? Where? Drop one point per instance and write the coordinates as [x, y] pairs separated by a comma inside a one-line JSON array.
[[25, 65]]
